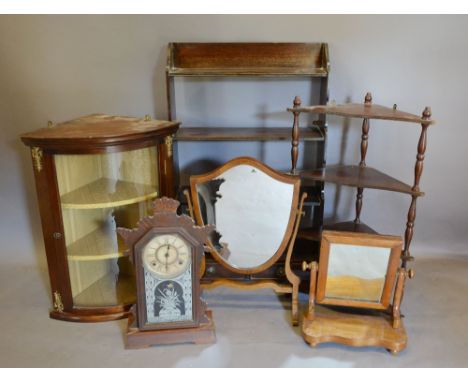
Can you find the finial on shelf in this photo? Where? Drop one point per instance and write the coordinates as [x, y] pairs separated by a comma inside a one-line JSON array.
[[147, 117], [50, 124], [297, 101], [368, 98], [427, 113]]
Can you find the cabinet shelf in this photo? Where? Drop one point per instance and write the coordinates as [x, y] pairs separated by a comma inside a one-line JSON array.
[[246, 134], [100, 244], [105, 193], [108, 291], [361, 177], [315, 234]]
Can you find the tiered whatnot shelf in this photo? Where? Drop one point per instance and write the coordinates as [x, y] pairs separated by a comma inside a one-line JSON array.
[[308, 62], [362, 176]]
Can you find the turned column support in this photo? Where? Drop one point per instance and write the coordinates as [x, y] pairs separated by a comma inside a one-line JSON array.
[[409, 232], [365, 131], [418, 169], [295, 135], [362, 163], [360, 191]]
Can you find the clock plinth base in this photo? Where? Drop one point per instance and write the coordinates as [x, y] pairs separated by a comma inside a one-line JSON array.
[[354, 330], [136, 338]]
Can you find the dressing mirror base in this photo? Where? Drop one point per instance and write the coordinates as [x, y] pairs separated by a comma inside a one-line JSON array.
[[137, 339], [354, 330], [267, 284]]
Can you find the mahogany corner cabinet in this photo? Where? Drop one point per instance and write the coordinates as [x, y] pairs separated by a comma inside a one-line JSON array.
[[94, 174]]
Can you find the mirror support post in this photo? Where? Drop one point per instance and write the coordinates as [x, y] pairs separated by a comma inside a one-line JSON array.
[[400, 284], [290, 275], [189, 203], [192, 215], [313, 266]]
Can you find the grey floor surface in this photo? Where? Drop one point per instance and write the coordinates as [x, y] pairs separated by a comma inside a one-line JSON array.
[[253, 329]]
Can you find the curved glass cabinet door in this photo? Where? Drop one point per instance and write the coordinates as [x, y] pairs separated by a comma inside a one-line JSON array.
[[97, 194]]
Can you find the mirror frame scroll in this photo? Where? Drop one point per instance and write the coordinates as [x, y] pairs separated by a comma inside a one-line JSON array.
[[394, 243], [294, 180]]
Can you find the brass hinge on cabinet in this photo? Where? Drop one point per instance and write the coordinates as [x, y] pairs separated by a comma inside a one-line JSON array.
[[36, 154], [168, 142], [58, 305]]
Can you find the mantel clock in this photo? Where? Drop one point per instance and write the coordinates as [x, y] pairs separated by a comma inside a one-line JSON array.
[[166, 250]]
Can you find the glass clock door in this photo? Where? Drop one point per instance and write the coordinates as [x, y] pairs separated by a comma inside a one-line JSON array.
[[99, 193]]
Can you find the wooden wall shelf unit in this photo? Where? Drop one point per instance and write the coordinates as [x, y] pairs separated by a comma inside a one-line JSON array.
[[92, 174], [307, 61], [245, 60]]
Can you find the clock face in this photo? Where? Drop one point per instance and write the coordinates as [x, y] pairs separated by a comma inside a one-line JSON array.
[[167, 265], [166, 256]]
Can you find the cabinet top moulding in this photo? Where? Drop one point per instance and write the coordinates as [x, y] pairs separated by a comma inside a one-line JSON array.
[[98, 132], [248, 59], [362, 110]]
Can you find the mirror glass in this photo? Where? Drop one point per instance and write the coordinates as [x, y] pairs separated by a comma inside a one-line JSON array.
[[356, 272], [251, 211]]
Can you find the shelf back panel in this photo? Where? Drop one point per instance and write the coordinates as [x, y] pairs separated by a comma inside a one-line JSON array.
[[237, 59]]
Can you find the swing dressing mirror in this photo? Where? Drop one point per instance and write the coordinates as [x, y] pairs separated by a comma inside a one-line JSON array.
[[256, 212], [253, 209], [357, 269]]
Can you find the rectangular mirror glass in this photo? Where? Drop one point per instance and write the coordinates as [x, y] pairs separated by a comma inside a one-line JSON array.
[[357, 269], [356, 272]]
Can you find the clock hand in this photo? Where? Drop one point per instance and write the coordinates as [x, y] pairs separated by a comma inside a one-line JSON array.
[[167, 256]]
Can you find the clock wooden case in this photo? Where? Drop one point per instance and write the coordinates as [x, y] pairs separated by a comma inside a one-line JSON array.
[[167, 250], [92, 174]]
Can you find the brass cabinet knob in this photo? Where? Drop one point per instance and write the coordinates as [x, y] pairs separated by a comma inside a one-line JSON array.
[[306, 266]]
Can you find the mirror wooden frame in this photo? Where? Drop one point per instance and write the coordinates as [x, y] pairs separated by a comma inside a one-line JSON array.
[[383, 327], [393, 243], [287, 242]]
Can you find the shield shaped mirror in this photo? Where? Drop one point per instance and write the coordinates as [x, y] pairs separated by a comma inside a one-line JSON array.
[[253, 209]]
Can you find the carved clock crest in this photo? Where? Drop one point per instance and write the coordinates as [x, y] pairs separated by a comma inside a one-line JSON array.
[[166, 250]]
